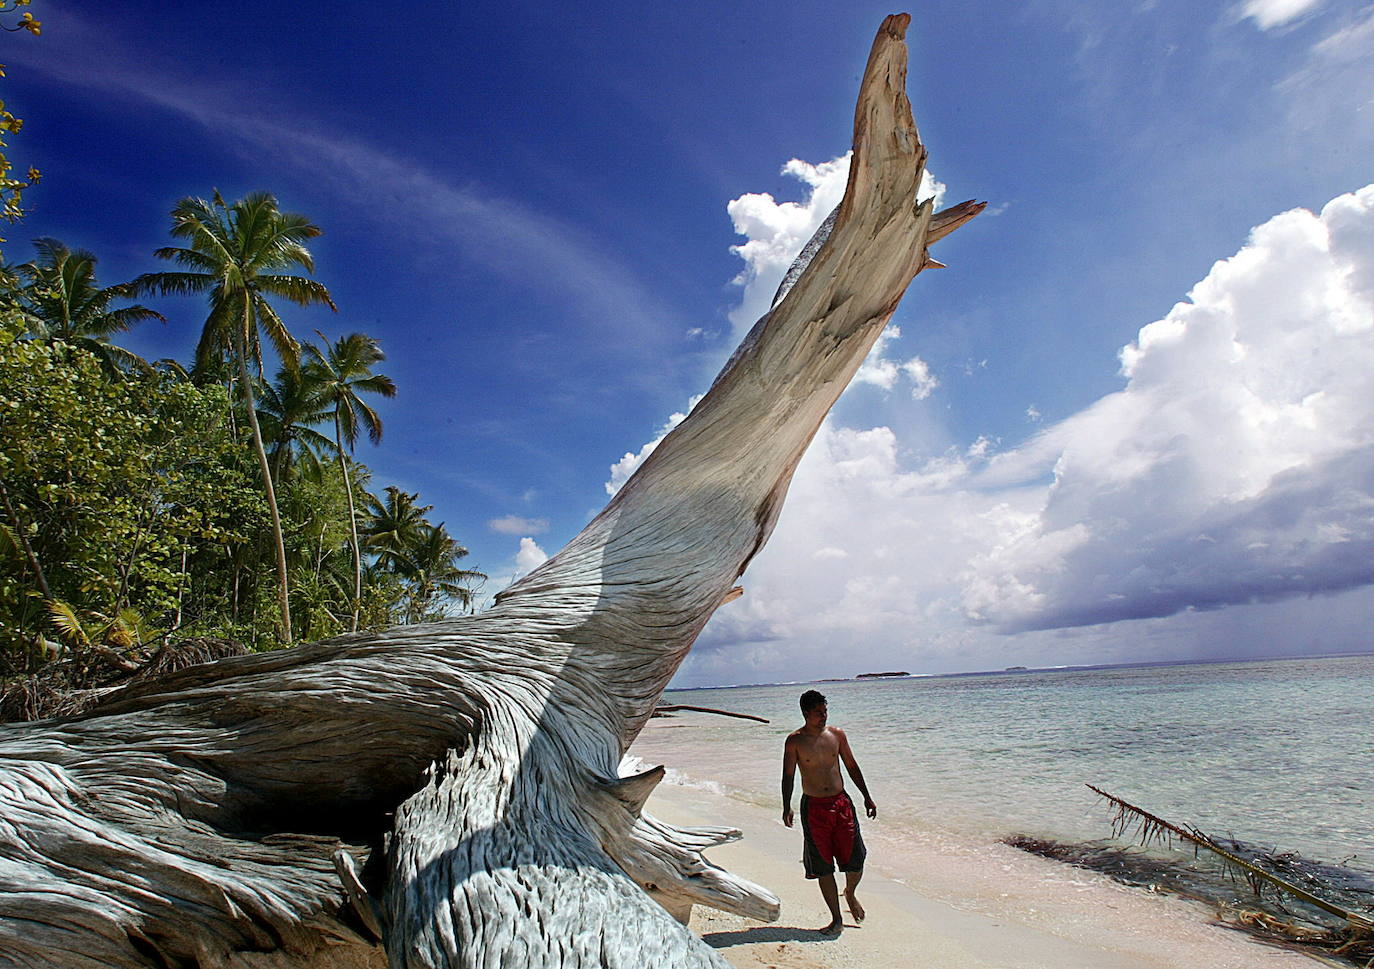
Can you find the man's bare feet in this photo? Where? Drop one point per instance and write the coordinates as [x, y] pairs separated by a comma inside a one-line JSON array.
[[834, 928], [855, 908]]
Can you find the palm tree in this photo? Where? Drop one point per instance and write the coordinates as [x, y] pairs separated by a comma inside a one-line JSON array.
[[395, 525], [235, 254], [425, 555], [434, 571], [289, 407], [342, 372], [63, 304]]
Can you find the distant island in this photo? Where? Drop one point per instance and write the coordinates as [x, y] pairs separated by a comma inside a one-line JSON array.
[[878, 676], [1015, 669]]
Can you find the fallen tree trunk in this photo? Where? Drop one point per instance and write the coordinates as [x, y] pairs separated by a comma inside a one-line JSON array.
[[451, 790]]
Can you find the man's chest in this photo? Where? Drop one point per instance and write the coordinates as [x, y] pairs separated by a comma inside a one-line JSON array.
[[818, 751]]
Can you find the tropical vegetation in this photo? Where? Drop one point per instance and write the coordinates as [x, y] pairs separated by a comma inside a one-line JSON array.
[[147, 503], [234, 254]]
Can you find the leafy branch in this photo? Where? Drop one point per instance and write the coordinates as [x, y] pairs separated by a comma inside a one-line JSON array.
[[1149, 828]]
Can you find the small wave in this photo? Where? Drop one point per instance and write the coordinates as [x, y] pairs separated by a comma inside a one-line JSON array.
[[671, 775]]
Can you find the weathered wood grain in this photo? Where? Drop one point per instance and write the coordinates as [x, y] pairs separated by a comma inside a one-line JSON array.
[[454, 787]]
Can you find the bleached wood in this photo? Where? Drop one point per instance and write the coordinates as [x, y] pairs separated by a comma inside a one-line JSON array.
[[467, 770]]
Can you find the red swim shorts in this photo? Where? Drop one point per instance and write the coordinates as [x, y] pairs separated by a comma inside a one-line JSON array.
[[830, 832]]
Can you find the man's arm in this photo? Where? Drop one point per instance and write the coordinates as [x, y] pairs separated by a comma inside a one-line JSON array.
[[852, 766], [789, 768]]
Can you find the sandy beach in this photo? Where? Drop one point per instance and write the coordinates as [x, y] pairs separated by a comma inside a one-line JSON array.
[[941, 906]]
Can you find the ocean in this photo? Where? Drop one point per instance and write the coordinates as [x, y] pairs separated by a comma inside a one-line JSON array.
[[1275, 754]]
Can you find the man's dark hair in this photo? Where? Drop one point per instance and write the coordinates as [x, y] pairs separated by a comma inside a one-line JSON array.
[[812, 699]]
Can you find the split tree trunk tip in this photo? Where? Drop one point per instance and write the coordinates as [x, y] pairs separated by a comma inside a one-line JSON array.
[[895, 25]]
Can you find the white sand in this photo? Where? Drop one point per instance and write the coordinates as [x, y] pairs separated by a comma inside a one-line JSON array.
[[987, 907]]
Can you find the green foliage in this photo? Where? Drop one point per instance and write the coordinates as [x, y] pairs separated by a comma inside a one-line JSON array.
[[235, 254], [110, 483], [62, 303], [142, 503], [423, 554]]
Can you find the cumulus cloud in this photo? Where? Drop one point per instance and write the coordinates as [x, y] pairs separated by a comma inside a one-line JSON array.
[[1228, 483], [1268, 14], [880, 370], [1222, 500], [529, 558], [515, 525], [1237, 465], [627, 465], [777, 231]]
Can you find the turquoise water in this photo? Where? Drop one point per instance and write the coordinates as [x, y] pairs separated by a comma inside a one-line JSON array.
[[1279, 754]]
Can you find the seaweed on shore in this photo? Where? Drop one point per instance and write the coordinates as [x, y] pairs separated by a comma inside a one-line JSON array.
[[1291, 901]]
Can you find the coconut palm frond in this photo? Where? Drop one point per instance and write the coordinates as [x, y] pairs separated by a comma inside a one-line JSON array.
[[63, 303], [1144, 827], [286, 345], [9, 543], [68, 625], [298, 289], [171, 283]]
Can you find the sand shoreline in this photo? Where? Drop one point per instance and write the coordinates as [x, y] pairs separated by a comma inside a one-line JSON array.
[[932, 906]]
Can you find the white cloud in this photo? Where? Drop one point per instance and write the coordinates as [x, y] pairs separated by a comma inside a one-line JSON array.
[[923, 382], [979, 448], [529, 558], [1238, 462], [777, 231], [627, 465], [1223, 500], [515, 525], [879, 370], [1268, 14]]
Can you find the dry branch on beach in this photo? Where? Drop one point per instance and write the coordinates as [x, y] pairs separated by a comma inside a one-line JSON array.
[[452, 788], [1354, 939], [665, 709]]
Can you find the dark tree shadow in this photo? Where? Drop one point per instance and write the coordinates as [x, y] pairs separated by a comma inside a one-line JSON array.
[[766, 933]]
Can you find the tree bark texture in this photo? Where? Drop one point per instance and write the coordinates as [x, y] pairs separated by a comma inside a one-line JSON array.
[[448, 795]]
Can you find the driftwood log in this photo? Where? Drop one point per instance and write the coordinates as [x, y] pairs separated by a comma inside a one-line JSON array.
[[448, 795], [667, 710]]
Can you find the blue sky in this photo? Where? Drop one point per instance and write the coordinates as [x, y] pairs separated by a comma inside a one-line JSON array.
[[534, 209]]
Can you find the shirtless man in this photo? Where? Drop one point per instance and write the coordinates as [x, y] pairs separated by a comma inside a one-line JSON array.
[[830, 827]]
